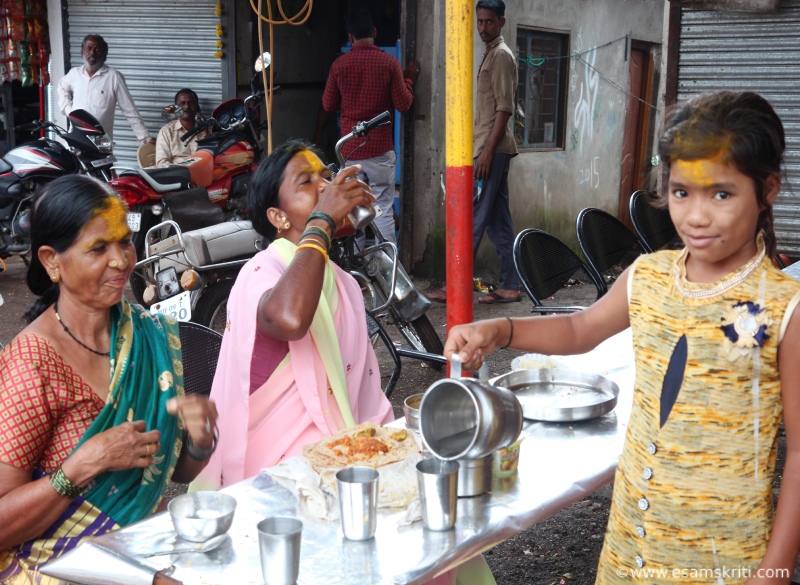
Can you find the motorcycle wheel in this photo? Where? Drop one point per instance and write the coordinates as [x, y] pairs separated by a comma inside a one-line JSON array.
[[211, 309], [421, 335]]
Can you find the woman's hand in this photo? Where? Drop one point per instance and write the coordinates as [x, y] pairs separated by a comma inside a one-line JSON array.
[[475, 340], [199, 416], [124, 446], [344, 193]]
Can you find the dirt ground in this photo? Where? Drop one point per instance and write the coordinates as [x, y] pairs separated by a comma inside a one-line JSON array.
[[562, 549]]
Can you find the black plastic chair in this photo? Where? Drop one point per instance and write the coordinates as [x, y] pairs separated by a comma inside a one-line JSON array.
[[200, 347], [652, 224], [607, 244], [544, 265]]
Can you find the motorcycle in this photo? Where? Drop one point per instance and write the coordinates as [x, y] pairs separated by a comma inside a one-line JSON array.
[[190, 274], [27, 167], [207, 189], [389, 292]]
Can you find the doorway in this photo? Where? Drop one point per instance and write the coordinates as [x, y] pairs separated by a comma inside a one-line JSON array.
[[639, 115]]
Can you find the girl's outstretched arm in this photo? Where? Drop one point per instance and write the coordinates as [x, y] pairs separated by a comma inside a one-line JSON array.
[[784, 544], [560, 334]]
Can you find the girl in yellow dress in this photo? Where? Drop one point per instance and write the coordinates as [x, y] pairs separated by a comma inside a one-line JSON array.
[[717, 353]]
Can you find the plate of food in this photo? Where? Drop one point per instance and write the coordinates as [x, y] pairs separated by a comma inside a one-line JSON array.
[[560, 394], [393, 451], [535, 361]]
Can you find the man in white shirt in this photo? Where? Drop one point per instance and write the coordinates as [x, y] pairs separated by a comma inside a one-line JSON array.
[[98, 89]]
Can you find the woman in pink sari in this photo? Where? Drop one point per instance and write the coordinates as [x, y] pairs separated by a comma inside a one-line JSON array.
[[296, 364]]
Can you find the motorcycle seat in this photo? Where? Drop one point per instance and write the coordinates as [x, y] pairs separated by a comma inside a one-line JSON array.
[[224, 242], [162, 179]]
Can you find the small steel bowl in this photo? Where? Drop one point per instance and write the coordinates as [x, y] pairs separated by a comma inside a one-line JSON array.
[[411, 410], [200, 516]]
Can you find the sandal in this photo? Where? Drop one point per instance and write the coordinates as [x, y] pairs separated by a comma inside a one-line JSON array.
[[493, 298], [439, 295]]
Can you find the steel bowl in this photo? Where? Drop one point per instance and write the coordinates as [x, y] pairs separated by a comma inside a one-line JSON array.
[[200, 516], [411, 410]]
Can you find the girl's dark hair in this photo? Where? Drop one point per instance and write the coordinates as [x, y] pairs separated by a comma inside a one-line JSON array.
[[60, 210], [743, 129], [266, 183]]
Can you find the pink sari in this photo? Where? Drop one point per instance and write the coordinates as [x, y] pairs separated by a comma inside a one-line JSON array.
[[328, 381]]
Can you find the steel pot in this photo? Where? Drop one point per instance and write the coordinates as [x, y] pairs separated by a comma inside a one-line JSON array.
[[465, 418]]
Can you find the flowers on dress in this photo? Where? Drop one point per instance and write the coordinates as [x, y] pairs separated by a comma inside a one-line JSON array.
[[745, 327]]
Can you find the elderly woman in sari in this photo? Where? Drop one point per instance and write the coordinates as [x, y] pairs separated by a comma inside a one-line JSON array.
[[93, 417], [296, 364]]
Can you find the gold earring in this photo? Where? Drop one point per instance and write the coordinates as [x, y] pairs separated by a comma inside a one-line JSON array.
[[55, 277], [286, 225]]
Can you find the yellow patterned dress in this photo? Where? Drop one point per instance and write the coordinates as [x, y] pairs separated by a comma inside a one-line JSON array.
[[692, 496]]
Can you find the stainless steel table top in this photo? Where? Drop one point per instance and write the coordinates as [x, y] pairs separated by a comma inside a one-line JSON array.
[[560, 463]]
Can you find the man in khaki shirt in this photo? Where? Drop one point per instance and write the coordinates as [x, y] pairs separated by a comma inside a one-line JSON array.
[[493, 148]]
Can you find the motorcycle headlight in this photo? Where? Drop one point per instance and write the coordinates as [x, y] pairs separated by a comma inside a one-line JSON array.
[[103, 143]]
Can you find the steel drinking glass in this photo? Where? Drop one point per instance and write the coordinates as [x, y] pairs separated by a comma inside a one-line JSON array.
[[438, 483], [279, 545], [358, 501]]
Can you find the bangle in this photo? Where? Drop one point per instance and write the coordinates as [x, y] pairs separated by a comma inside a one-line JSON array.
[[64, 486], [324, 217], [313, 239], [317, 231], [307, 244], [199, 454], [510, 333]]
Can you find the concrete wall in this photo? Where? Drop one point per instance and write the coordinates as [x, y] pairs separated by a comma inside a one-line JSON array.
[[548, 188]]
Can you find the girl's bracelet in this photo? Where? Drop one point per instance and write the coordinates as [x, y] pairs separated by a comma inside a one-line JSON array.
[[308, 244], [510, 333], [317, 231], [324, 217], [199, 454], [64, 486]]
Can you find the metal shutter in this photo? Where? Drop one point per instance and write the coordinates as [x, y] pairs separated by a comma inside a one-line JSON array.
[[752, 51], [160, 47]]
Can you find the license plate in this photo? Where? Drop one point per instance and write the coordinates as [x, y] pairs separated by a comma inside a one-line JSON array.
[[178, 307], [135, 221], [104, 161]]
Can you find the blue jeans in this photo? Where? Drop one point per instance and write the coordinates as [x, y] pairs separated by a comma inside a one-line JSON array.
[[490, 213]]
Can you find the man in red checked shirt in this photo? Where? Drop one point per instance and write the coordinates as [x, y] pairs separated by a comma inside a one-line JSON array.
[[363, 83]]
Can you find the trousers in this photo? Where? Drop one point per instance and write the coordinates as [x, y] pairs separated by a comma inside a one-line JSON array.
[[491, 214], [380, 171]]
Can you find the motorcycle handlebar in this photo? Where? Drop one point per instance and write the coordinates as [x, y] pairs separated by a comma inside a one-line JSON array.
[[359, 130], [198, 127], [32, 126], [378, 120]]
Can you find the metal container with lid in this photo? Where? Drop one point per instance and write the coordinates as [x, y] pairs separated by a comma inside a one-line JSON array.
[[469, 419]]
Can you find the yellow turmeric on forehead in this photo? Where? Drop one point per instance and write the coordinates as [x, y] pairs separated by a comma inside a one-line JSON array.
[[114, 213], [312, 160], [699, 171]]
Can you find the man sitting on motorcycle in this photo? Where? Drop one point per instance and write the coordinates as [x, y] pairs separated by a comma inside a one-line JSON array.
[[170, 149]]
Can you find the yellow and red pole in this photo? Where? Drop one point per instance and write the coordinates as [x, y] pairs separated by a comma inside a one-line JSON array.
[[458, 160]]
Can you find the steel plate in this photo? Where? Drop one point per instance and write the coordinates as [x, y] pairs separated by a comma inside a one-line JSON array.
[[560, 394]]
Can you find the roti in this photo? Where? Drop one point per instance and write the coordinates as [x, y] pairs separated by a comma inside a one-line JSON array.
[[365, 444]]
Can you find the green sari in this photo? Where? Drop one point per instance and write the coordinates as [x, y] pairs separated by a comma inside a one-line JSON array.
[[146, 371]]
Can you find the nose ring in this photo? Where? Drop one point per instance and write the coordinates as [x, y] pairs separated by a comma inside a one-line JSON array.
[[113, 264]]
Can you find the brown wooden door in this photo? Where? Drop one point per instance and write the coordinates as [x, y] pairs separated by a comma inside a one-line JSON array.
[[637, 127]]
